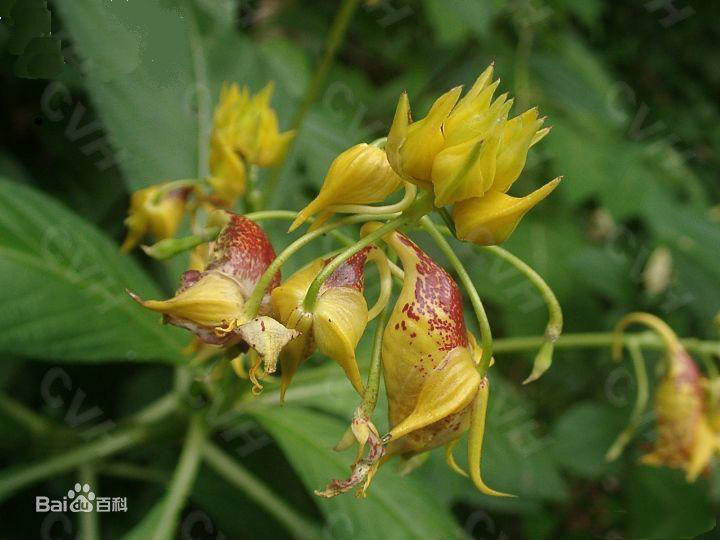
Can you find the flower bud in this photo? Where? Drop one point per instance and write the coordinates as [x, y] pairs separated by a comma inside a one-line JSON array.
[[359, 175], [251, 125], [156, 209], [227, 170], [412, 146], [210, 303], [491, 219], [339, 318]]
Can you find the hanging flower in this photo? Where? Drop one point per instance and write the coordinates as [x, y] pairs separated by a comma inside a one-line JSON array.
[[156, 210], [685, 437], [434, 391], [469, 154], [359, 175], [340, 316], [210, 303]]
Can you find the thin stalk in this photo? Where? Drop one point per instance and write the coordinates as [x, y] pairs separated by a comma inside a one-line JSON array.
[[238, 476], [326, 272], [332, 44], [372, 388], [641, 400], [591, 340], [182, 480], [32, 422], [255, 299], [131, 471], [483, 323], [89, 521], [169, 247], [554, 326], [20, 476]]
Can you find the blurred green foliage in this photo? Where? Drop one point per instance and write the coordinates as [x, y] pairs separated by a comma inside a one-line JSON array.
[[630, 91]]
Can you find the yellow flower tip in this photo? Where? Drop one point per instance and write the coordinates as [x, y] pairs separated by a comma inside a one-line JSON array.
[[213, 301], [491, 219]]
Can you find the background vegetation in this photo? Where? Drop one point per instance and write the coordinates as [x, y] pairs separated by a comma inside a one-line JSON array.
[[631, 92]]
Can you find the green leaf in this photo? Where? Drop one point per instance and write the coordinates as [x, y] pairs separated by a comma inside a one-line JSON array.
[[663, 505], [64, 295], [154, 71], [582, 436], [396, 507]]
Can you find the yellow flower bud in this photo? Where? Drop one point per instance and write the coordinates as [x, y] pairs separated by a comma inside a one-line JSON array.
[[156, 209], [339, 318], [412, 147], [251, 125], [359, 175], [491, 219], [227, 170]]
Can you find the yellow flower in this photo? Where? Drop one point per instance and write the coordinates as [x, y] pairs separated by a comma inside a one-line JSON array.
[[210, 303], [467, 150], [156, 209], [686, 439], [251, 125], [227, 170], [434, 391], [359, 175], [339, 318], [491, 219]]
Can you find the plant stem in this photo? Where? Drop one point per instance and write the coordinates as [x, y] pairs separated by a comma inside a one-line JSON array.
[[372, 389], [182, 480], [89, 521], [640, 402], [483, 323], [646, 340], [169, 247], [21, 476], [332, 44], [34, 423], [233, 472], [326, 272], [131, 471], [255, 299]]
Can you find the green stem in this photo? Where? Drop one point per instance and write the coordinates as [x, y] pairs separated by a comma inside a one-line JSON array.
[[182, 480], [233, 472], [326, 272], [34, 423], [18, 477], [255, 299], [131, 471], [89, 521], [554, 326], [372, 388], [590, 340], [640, 402], [334, 40], [169, 247], [483, 323]]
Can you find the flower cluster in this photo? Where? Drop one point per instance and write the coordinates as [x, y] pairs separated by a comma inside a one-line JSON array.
[[466, 153], [245, 135]]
